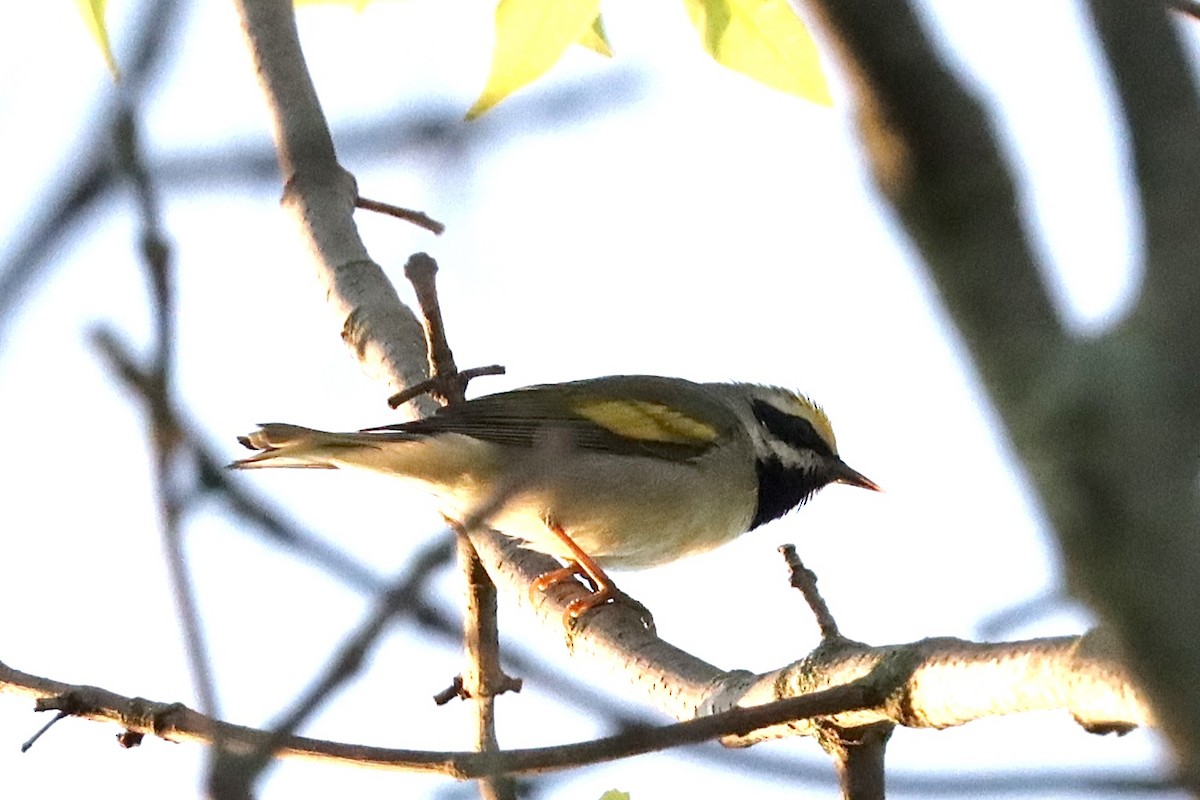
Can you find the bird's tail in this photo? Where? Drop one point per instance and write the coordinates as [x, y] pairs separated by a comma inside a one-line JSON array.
[[282, 445]]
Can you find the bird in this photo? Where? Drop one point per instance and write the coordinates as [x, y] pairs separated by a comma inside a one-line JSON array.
[[654, 468]]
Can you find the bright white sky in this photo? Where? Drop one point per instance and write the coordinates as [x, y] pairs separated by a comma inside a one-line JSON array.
[[696, 225]]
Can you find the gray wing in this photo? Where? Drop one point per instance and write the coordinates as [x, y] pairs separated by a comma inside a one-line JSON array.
[[634, 415]]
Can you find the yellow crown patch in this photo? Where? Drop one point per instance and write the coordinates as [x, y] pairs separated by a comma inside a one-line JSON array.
[[816, 416]]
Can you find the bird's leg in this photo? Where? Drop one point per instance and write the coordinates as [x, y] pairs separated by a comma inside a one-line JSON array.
[[579, 563]]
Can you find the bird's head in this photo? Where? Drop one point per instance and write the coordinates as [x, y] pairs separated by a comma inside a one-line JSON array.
[[795, 450]]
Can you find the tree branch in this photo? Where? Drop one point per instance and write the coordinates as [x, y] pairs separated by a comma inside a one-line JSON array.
[[1138, 545], [935, 683], [1108, 427], [384, 335]]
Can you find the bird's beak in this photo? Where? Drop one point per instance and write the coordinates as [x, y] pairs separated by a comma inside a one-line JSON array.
[[844, 474]]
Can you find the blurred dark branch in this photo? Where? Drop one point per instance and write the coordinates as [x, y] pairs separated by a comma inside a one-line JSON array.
[[89, 174], [83, 186], [936, 160], [1004, 621], [1108, 427], [157, 381], [233, 774], [1139, 397], [430, 136]]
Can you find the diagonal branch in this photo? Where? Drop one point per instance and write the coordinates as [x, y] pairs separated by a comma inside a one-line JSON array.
[[1108, 427], [384, 335]]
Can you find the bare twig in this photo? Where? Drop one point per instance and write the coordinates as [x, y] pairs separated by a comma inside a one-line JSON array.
[[484, 678], [443, 385], [455, 689], [165, 437], [417, 218], [804, 579], [421, 271], [858, 752], [32, 740], [446, 384]]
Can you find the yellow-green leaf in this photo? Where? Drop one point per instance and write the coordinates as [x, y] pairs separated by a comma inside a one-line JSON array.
[[765, 40], [357, 5], [595, 39], [614, 794], [531, 36], [92, 12]]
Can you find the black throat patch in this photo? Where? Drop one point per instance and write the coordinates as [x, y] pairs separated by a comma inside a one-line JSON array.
[[782, 488]]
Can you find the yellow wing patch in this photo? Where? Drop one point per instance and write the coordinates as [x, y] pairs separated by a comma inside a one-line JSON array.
[[646, 421]]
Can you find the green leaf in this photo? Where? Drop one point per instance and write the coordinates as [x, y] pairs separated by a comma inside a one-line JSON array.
[[92, 12], [531, 36], [595, 39], [614, 794], [765, 40]]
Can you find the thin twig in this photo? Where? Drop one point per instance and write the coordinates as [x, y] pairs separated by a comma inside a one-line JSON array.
[[481, 635], [442, 385], [857, 752], [33, 739], [483, 678], [421, 271], [418, 218], [156, 256], [455, 689], [804, 579]]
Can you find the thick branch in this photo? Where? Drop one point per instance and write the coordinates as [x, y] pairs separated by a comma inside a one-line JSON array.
[[915, 685], [1108, 427], [383, 333], [935, 158], [1137, 552], [947, 681]]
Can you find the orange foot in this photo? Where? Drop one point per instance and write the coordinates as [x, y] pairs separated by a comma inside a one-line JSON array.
[[602, 589], [579, 564]]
